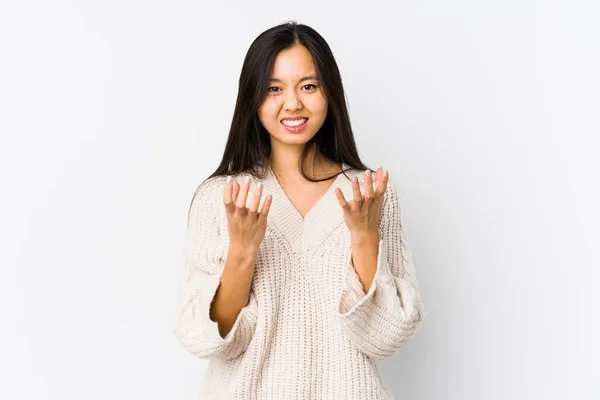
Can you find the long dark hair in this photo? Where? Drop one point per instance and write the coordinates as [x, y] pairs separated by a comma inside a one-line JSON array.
[[248, 145]]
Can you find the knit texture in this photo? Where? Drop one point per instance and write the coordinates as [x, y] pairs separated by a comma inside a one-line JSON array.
[[309, 330]]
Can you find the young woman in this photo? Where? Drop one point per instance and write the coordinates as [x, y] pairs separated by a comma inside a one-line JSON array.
[[297, 277]]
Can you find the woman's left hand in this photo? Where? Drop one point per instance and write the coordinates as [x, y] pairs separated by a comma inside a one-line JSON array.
[[362, 213]]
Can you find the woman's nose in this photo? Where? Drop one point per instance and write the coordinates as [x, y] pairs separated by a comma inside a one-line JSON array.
[[291, 102]]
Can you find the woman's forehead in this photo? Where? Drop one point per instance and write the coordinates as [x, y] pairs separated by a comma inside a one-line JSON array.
[[295, 64]]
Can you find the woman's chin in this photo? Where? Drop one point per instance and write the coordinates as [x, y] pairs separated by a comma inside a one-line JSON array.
[[286, 137]]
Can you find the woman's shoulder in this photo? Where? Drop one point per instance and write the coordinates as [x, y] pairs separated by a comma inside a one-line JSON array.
[[210, 186], [214, 186], [360, 174]]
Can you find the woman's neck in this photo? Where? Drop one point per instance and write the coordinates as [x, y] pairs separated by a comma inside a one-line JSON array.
[[316, 166]]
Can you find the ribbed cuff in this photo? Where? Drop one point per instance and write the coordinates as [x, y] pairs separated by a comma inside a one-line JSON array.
[[200, 335], [395, 294]]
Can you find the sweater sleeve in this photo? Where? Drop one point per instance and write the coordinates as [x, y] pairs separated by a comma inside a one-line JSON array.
[[383, 320], [201, 270]]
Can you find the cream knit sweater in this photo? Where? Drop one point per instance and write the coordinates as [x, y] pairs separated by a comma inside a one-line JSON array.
[[309, 331]]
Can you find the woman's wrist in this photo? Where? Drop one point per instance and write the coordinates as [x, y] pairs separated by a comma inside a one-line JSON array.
[[365, 237], [241, 255]]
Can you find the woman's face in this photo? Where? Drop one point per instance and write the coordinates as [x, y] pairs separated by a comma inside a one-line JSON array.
[[295, 106]]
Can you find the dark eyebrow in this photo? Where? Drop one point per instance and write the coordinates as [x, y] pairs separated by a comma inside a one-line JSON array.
[[306, 78]]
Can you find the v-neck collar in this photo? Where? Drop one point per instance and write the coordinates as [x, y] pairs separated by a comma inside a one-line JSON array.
[[322, 217], [281, 193]]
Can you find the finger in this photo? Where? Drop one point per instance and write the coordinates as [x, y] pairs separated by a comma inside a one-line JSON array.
[[341, 199], [378, 175], [228, 193], [368, 185], [378, 178], [381, 188], [264, 212], [243, 196], [236, 191], [356, 190], [256, 198]]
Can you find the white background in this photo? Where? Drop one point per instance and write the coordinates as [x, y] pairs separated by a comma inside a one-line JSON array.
[[485, 113]]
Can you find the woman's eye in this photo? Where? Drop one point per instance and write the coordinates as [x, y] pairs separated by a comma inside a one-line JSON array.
[[309, 86]]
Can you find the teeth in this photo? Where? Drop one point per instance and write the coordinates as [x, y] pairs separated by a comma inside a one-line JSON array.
[[294, 123]]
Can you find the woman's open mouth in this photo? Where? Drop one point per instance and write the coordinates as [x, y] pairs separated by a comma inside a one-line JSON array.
[[294, 124]]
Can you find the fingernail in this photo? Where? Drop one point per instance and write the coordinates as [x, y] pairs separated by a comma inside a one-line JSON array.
[[259, 185], [368, 173], [247, 180], [385, 173], [228, 180], [354, 179]]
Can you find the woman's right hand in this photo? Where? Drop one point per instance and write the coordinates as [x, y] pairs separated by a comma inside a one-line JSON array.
[[247, 226]]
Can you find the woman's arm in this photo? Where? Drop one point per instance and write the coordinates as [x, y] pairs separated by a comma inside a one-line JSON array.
[[215, 282], [382, 320], [233, 293]]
